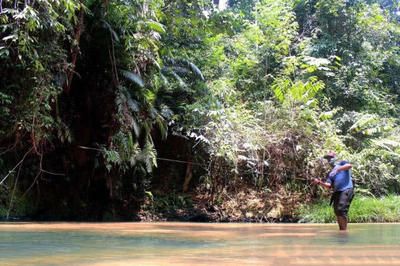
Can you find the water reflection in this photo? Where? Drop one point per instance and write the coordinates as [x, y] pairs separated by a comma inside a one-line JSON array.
[[197, 244]]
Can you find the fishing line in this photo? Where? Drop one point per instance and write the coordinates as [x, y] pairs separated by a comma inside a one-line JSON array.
[[158, 158]]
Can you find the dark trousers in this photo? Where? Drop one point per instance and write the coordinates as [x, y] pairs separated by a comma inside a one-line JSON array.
[[341, 201]]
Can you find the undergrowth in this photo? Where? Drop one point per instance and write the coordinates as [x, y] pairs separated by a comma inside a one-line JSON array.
[[362, 210]]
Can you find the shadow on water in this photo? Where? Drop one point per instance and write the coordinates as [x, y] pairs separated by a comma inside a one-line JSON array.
[[197, 244]]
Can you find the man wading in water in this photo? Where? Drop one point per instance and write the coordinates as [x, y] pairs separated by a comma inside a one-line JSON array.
[[340, 179]]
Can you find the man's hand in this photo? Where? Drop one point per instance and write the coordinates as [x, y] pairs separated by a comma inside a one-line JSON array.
[[333, 172], [316, 181], [338, 169]]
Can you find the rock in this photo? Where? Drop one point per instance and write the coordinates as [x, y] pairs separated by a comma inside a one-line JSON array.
[[249, 215], [201, 217]]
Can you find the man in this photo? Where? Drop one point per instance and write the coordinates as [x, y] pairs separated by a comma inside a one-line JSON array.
[[339, 178]]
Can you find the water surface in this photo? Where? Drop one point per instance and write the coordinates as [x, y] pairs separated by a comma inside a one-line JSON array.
[[197, 244]]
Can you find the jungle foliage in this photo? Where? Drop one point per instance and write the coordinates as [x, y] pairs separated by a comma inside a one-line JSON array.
[[94, 93]]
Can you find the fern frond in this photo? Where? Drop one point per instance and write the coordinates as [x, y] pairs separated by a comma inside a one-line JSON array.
[[135, 78], [196, 71]]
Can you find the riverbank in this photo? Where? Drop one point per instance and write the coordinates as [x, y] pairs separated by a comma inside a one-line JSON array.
[[249, 206], [362, 210], [245, 206]]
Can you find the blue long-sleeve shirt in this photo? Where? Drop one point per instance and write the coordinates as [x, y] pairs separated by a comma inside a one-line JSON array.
[[342, 180]]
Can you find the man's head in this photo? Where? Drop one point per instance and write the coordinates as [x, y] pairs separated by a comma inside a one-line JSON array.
[[331, 158]]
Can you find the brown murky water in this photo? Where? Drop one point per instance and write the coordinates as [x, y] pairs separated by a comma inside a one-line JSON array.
[[197, 244]]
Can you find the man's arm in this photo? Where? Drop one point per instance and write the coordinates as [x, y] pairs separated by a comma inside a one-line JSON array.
[[344, 167], [322, 183]]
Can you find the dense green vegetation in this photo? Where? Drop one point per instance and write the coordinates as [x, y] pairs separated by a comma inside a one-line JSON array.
[[123, 109]]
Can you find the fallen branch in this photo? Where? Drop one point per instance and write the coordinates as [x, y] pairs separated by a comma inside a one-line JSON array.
[[41, 170]]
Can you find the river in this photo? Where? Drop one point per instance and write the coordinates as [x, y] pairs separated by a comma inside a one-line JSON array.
[[197, 244]]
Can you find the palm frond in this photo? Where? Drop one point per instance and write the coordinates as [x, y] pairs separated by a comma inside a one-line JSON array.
[[135, 78]]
